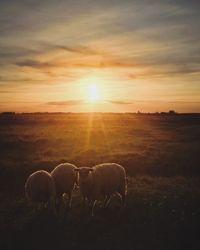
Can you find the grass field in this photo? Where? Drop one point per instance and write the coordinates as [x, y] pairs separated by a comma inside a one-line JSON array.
[[159, 152]]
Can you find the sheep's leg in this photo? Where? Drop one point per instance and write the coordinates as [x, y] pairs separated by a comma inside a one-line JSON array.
[[45, 205], [52, 205], [35, 208], [76, 183], [122, 192], [89, 203], [58, 204], [89, 200], [123, 198], [93, 203], [69, 199], [40, 206], [106, 201], [84, 201]]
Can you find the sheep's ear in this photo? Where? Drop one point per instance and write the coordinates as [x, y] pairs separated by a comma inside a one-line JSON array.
[[76, 169]]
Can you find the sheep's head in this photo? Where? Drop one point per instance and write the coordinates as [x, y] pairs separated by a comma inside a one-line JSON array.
[[84, 173]]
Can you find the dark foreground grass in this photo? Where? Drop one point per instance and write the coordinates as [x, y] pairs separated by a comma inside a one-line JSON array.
[[159, 153], [161, 213]]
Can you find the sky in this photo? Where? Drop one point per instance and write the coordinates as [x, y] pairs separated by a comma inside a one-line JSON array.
[[99, 55]]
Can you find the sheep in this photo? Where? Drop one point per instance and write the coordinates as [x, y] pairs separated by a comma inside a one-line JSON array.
[[65, 179], [40, 188], [102, 180]]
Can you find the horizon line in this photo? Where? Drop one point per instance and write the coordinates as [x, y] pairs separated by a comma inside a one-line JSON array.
[[169, 112]]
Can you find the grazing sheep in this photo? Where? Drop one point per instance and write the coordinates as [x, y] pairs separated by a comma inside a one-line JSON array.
[[102, 180], [65, 179], [39, 188]]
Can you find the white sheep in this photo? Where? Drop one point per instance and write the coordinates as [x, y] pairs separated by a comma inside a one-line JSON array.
[[40, 188], [102, 180], [65, 177]]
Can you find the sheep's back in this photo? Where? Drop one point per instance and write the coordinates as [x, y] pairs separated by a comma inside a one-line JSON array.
[[64, 177], [39, 186], [108, 177]]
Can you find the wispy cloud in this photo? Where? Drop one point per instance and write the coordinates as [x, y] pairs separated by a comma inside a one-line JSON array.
[[35, 64], [65, 103], [78, 49], [120, 102]]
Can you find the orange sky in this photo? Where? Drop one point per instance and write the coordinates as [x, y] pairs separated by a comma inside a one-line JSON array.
[[116, 56]]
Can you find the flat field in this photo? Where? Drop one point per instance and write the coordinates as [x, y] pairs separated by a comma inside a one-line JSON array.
[[159, 152]]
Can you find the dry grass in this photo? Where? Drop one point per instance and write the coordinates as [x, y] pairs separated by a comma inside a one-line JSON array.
[[160, 154]]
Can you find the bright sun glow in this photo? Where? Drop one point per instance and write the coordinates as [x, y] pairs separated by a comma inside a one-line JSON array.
[[93, 92], [93, 88]]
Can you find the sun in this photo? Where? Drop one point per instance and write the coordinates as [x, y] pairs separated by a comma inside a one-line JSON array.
[[93, 89], [93, 92]]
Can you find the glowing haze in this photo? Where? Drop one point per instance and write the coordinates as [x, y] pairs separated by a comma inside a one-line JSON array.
[[108, 55]]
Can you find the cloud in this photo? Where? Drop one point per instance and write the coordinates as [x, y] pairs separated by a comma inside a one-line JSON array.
[[184, 102], [163, 71], [81, 50], [149, 68], [7, 91], [11, 53], [78, 49], [65, 103], [165, 101], [21, 56], [120, 102], [108, 61], [34, 64]]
